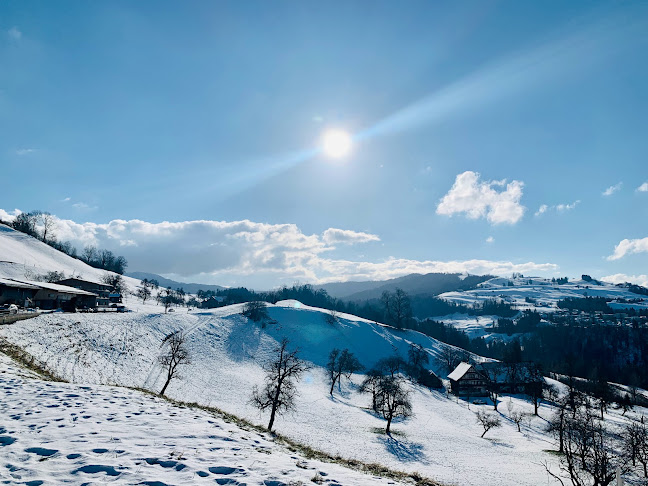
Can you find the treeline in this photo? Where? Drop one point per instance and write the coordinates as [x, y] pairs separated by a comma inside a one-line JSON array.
[[42, 226], [393, 308], [592, 351], [586, 304]]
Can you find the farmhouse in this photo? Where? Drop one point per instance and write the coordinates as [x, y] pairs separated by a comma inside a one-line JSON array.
[[466, 380], [473, 380], [54, 296], [12, 292]]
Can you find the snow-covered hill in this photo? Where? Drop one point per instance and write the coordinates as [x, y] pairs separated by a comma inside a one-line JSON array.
[[25, 257], [543, 294], [441, 441], [59, 433]]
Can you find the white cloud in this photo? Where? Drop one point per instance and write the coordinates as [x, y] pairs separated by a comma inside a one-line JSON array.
[[9, 216], [83, 206], [347, 237], [643, 187], [14, 34], [626, 247], [558, 207], [490, 239], [256, 254], [25, 151], [623, 278], [482, 199], [612, 189]]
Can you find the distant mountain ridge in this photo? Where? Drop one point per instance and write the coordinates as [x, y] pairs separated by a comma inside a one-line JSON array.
[[413, 284], [191, 288]]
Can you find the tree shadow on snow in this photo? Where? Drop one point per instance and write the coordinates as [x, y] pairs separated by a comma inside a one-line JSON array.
[[402, 449]]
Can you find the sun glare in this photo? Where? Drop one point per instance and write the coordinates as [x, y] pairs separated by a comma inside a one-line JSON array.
[[336, 143]]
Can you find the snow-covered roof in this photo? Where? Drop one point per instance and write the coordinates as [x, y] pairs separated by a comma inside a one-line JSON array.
[[461, 369], [56, 287], [12, 283]]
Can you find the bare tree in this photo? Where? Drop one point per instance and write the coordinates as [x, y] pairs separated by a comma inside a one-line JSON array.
[[175, 354], [588, 458], [47, 223], [332, 317], [279, 391], [417, 359], [492, 373], [392, 400], [516, 415], [534, 385], [143, 293], [116, 281], [167, 298], [451, 357], [392, 365], [635, 445], [25, 223], [89, 254], [398, 309], [341, 363], [488, 421], [370, 385]]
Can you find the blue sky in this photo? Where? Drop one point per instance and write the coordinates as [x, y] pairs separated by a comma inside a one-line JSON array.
[[119, 116]]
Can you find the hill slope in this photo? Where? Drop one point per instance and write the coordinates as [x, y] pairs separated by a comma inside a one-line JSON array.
[[25, 257], [126, 437], [190, 288], [413, 284], [441, 441]]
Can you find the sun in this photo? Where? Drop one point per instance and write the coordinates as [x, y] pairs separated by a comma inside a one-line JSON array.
[[336, 143]]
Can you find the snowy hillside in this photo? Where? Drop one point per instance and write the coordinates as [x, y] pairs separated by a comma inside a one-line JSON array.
[[441, 441], [56, 433], [546, 294], [24, 257]]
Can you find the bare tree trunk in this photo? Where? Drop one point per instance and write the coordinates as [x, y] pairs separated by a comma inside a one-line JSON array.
[[272, 417], [389, 420], [165, 386]]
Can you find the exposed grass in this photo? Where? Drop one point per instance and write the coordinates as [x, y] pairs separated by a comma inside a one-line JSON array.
[[305, 450], [553, 452], [27, 360]]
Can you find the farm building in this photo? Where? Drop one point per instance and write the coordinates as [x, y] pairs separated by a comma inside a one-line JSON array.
[[104, 292], [466, 380], [55, 296], [473, 380], [12, 292]]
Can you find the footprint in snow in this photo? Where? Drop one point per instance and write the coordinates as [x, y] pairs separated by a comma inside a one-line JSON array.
[[226, 470], [96, 468], [41, 451]]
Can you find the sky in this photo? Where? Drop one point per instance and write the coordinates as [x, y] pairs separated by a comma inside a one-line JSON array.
[[488, 136]]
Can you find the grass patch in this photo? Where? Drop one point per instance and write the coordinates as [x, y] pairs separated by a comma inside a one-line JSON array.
[[553, 452], [305, 450], [28, 361]]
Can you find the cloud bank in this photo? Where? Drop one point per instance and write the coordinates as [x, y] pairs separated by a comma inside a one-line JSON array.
[[482, 199], [256, 254], [623, 278]]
